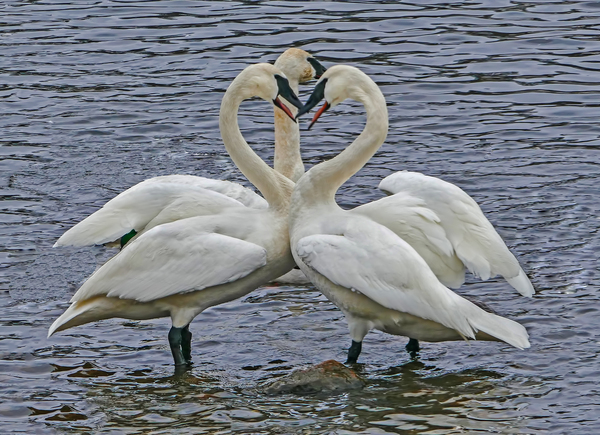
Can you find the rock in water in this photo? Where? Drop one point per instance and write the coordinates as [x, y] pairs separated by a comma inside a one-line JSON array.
[[324, 377]]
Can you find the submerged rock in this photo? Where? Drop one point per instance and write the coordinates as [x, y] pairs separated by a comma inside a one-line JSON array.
[[324, 377]]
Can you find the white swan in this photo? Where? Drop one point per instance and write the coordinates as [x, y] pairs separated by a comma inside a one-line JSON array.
[[377, 279], [169, 198], [181, 268]]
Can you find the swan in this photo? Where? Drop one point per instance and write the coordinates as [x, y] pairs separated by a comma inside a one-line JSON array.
[[168, 198], [445, 226], [180, 268], [376, 278]]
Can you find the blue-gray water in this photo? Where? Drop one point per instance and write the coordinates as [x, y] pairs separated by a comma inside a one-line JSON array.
[[500, 97]]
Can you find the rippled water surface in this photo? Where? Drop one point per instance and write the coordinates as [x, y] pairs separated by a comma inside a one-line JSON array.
[[500, 97]]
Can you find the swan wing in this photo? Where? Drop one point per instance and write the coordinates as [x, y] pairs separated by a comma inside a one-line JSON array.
[[233, 190], [134, 208], [191, 203], [174, 258], [375, 262], [228, 188], [409, 218], [476, 242]]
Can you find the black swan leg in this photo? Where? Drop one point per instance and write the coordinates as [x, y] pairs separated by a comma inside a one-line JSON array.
[[186, 344], [354, 352], [175, 340], [413, 346]]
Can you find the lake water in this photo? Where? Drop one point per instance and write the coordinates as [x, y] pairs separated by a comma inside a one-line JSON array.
[[500, 97]]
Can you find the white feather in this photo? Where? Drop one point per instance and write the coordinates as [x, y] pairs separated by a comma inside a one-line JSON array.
[[375, 277], [159, 199], [180, 268], [409, 217], [371, 259], [474, 239], [174, 258]]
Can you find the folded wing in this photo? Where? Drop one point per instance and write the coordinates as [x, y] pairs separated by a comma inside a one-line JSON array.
[[372, 260], [171, 259]]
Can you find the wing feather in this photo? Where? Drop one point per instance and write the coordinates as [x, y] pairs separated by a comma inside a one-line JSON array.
[[233, 190], [171, 259], [474, 239], [419, 226], [134, 208], [375, 262]]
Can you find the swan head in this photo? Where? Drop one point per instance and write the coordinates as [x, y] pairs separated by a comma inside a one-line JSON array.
[[299, 66], [265, 81], [337, 84]]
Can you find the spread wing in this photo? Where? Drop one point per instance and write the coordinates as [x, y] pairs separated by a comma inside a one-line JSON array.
[[139, 205], [473, 237], [174, 258]]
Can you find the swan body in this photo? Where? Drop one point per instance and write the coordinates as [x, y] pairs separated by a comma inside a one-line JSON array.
[[168, 198], [447, 228], [180, 268], [166, 271], [376, 279]]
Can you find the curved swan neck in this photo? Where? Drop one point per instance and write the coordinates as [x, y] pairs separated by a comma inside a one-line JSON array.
[[325, 179], [288, 160], [274, 187]]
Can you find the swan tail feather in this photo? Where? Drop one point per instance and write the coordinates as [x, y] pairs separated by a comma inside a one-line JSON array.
[[496, 326], [79, 313]]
